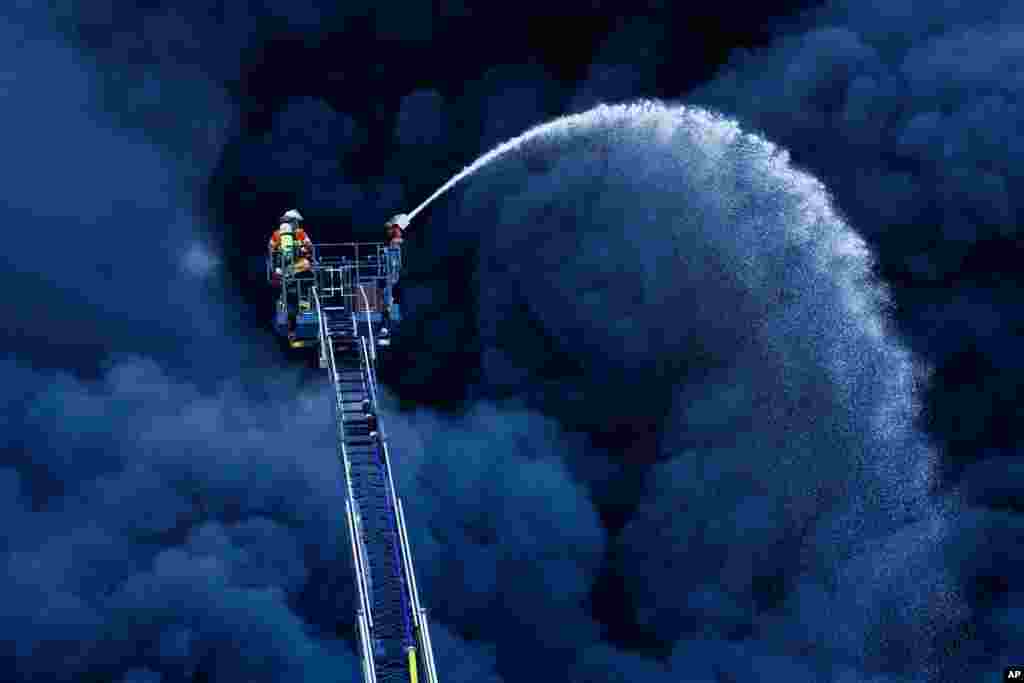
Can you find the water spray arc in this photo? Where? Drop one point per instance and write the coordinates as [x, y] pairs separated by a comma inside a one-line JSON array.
[[564, 126], [775, 229]]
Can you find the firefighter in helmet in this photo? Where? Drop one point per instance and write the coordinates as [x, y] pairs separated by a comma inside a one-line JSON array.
[[291, 252], [290, 243], [394, 228]]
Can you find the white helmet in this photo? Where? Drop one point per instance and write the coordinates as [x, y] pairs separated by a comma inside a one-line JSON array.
[[285, 227], [400, 219], [292, 215]]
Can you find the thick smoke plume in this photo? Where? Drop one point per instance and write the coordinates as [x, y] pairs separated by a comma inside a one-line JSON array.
[[669, 322], [911, 112]]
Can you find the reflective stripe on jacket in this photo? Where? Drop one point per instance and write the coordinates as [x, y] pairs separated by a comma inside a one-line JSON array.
[[286, 241]]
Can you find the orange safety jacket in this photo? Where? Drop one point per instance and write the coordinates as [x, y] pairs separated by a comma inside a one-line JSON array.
[[280, 243]]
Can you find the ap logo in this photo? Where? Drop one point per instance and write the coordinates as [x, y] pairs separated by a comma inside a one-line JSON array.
[[1014, 673]]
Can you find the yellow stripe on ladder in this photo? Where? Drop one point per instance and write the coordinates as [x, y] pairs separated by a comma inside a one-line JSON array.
[[412, 665]]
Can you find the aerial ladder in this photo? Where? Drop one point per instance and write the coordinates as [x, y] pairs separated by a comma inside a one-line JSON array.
[[353, 304]]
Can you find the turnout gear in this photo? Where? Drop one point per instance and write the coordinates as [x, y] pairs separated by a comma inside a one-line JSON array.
[[291, 249], [394, 228], [291, 254]]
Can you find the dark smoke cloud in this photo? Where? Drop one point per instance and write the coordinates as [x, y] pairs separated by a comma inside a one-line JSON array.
[[421, 120], [911, 111], [108, 251], [423, 129], [305, 154], [165, 523], [512, 99], [503, 532], [178, 534], [624, 65], [210, 540]]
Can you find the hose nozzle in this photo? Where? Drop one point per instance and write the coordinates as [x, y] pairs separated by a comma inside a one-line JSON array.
[[400, 219]]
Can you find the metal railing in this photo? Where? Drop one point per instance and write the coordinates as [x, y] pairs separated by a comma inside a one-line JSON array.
[[418, 611], [369, 332], [367, 259]]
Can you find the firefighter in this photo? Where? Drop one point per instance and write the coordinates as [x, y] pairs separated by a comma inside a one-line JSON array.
[[394, 228], [292, 253], [289, 243]]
